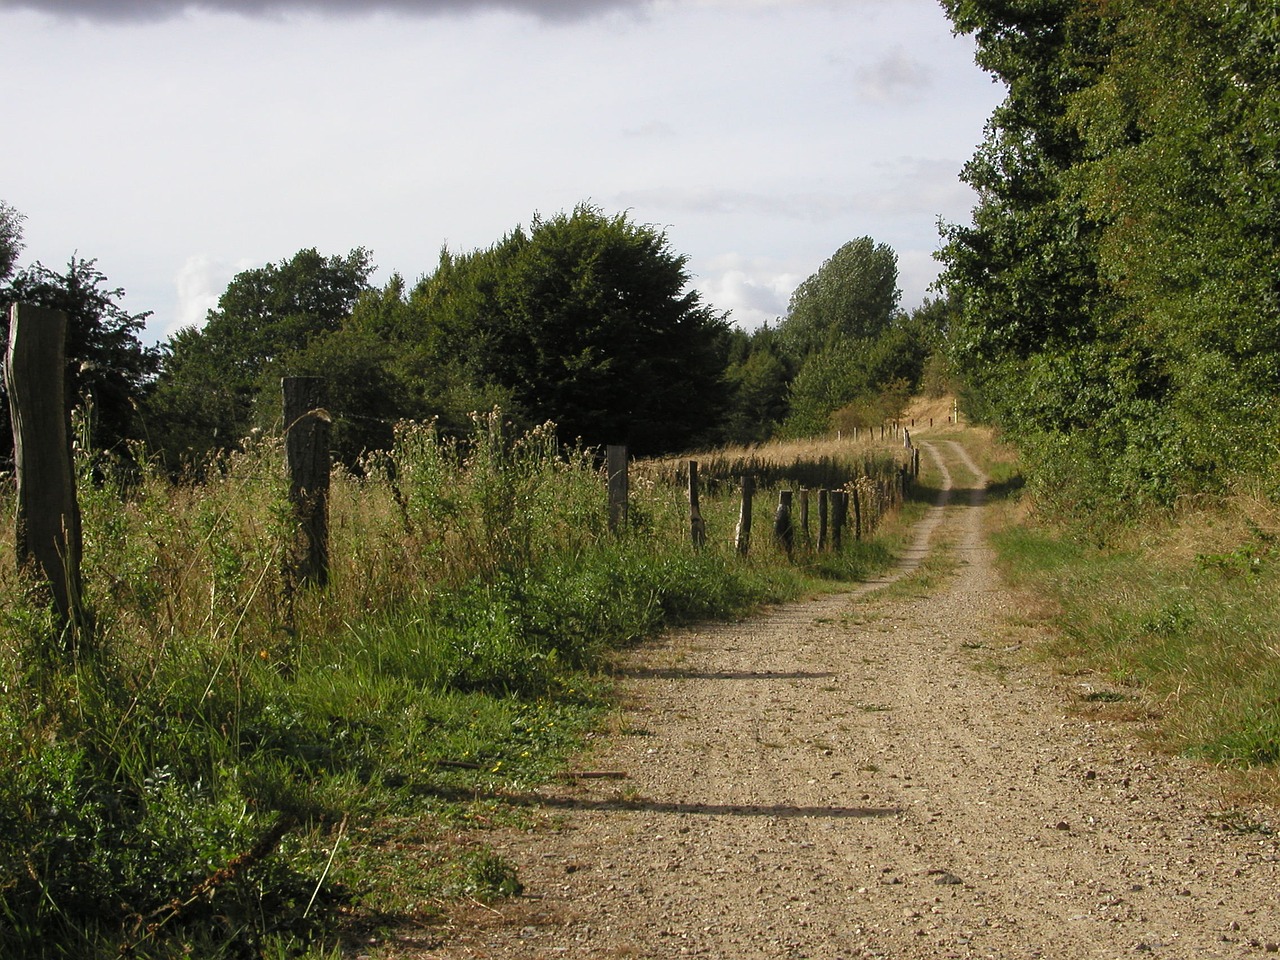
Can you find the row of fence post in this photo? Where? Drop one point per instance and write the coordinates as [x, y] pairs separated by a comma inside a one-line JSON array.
[[833, 505], [48, 518]]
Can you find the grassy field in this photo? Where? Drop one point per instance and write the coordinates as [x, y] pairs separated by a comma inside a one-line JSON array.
[[229, 766], [1173, 625]]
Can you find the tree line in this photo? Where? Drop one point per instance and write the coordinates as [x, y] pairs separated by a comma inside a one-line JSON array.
[[1118, 292], [585, 319]]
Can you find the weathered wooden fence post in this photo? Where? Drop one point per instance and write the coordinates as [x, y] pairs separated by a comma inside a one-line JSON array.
[[824, 500], [744, 516], [697, 528], [306, 449], [619, 486], [783, 531], [48, 537], [804, 516]]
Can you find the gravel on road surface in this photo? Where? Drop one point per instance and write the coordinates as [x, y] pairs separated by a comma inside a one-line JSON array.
[[877, 774]]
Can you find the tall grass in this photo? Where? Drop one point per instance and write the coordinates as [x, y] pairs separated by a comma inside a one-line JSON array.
[[1177, 622], [189, 783]]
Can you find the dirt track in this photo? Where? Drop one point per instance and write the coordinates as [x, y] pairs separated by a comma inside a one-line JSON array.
[[878, 774]]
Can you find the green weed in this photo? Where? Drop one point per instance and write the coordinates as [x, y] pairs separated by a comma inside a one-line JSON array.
[[239, 767], [1191, 632]]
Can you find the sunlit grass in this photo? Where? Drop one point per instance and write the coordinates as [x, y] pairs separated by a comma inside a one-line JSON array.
[[1182, 617], [224, 716]]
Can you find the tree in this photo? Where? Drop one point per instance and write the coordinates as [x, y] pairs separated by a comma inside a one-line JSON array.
[[108, 368], [587, 320], [759, 398], [1119, 313], [1035, 338], [218, 381], [271, 312], [758, 376], [1025, 272], [10, 239], [1182, 136], [856, 376], [362, 392], [853, 295]]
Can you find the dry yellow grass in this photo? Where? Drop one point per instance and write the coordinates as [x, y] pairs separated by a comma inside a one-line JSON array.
[[930, 412], [854, 447]]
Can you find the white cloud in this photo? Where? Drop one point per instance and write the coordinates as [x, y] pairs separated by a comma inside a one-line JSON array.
[[754, 290], [199, 283], [653, 130]]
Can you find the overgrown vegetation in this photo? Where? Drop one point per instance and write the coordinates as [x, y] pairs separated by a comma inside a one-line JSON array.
[[1118, 307], [1170, 623], [235, 769]]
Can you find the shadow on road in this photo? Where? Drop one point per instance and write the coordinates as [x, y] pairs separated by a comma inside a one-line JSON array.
[[642, 805], [672, 673]]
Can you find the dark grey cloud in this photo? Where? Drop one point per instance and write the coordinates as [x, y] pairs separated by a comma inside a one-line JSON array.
[[154, 10]]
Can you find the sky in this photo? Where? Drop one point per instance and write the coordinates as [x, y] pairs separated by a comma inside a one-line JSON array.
[[179, 143]]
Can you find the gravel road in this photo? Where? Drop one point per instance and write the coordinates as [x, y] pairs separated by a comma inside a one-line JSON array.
[[881, 773]]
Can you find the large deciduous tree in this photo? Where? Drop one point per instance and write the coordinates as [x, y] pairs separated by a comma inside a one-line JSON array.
[[587, 320], [1120, 308], [1182, 134], [220, 380], [109, 371], [853, 295], [848, 341]]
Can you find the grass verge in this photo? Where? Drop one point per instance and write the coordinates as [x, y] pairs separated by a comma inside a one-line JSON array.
[[232, 766], [1174, 623]]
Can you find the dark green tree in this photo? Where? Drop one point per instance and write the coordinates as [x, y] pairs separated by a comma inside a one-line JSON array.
[[268, 313], [586, 320], [1035, 338], [195, 409], [1118, 301], [853, 295], [759, 376], [1025, 272], [1182, 132], [219, 381], [109, 371], [362, 391]]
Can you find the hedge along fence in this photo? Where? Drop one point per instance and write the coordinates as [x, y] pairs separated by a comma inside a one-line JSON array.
[[254, 544]]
